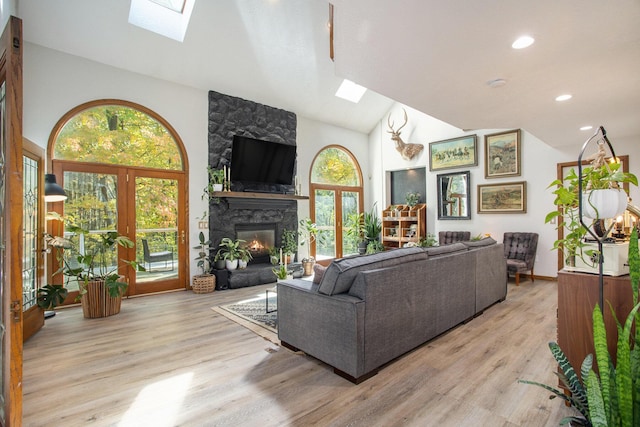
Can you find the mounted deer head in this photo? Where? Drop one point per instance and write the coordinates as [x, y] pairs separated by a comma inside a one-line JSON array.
[[407, 150]]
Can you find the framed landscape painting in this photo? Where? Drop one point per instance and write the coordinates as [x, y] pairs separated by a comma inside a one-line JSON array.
[[503, 198], [502, 154], [453, 153]]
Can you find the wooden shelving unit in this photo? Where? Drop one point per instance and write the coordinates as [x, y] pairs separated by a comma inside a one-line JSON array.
[[403, 225]]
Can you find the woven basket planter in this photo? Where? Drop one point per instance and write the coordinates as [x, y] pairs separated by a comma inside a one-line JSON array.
[[203, 284]]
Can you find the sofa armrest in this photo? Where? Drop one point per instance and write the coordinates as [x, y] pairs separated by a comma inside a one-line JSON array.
[[329, 328]]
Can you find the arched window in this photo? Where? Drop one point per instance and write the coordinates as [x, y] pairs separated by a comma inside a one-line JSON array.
[[124, 169], [336, 201]]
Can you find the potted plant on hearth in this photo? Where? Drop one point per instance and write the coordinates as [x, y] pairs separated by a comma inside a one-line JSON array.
[[245, 257], [230, 250], [205, 282], [100, 285], [308, 232]]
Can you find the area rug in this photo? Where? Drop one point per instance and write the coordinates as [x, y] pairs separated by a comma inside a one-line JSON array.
[[251, 313]]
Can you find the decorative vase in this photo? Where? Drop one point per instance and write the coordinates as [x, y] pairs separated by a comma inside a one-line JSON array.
[[217, 187], [220, 264], [97, 302], [242, 264], [307, 266], [231, 264], [604, 203]]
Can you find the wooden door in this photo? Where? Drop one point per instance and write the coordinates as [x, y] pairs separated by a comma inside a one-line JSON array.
[[11, 204], [33, 227]]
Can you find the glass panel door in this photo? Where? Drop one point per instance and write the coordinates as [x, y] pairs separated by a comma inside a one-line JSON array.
[[325, 214], [157, 235], [91, 205], [350, 206]]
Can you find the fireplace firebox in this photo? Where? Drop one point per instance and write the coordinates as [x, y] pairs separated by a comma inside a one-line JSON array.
[[259, 239]]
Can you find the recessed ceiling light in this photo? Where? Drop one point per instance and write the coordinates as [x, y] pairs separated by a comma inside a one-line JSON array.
[[350, 91], [496, 83], [586, 128], [563, 97], [522, 42]]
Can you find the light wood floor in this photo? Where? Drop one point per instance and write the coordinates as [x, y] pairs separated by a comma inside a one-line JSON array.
[[169, 360]]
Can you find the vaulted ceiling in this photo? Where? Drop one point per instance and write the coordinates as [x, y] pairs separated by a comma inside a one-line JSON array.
[[435, 56]]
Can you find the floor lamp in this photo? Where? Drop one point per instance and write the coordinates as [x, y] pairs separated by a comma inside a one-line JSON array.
[[52, 193], [601, 138]]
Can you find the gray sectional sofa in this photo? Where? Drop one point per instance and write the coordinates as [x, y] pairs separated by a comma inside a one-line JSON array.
[[368, 310]]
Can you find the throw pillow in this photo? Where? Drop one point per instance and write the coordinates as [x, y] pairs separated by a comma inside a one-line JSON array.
[[318, 272]]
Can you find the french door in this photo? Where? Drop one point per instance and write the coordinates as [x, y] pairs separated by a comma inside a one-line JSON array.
[[331, 207], [11, 211], [146, 206]]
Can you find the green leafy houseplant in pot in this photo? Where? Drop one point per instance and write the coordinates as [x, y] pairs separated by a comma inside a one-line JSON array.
[[289, 244], [204, 282], [372, 225], [230, 250], [596, 180], [100, 285], [609, 397], [245, 257]]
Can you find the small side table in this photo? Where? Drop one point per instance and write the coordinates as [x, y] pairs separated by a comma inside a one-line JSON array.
[[273, 290]]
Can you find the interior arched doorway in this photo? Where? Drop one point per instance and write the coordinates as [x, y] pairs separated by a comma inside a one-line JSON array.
[[124, 169]]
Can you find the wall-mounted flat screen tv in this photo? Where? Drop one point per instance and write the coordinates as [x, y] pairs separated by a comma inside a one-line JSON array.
[[258, 161]]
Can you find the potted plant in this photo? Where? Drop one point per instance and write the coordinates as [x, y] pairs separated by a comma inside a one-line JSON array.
[[372, 225], [205, 282], [308, 232], [230, 250], [245, 257], [607, 397], [273, 255], [354, 227], [289, 244], [605, 176], [281, 272], [374, 246], [218, 260], [100, 285], [412, 198]]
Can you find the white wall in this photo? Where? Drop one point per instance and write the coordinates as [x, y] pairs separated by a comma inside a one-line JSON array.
[[538, 170], [312, 137], [55, 82], [7, 8]]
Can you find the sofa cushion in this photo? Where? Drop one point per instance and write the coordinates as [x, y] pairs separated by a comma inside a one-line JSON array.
[[318, 272], [445, 249], [341, 273], [487, 241]]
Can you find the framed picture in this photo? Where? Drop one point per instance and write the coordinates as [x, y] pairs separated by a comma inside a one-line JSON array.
[[453, 153], [502, 198], [502, 154]]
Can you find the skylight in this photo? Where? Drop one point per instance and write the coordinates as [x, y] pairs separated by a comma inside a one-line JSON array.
[[350, 91], [169, 18]]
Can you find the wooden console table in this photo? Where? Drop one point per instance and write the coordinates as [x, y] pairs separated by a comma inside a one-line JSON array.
[[578, 293]]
